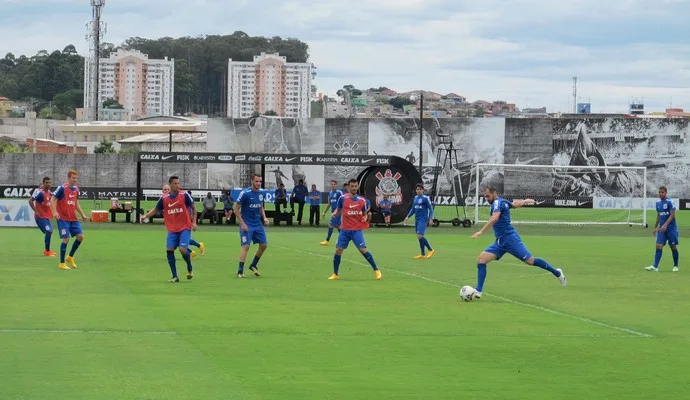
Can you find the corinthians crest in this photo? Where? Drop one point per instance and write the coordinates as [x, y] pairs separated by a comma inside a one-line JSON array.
[[345, 149], [388, 185]]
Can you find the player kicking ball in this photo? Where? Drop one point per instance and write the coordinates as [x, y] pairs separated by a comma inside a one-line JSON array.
[[40, 203], [175, 208], [249, 209], [65, 211], [333, 197], [354, 220], [507, 240], [423, 212], [668, 231]]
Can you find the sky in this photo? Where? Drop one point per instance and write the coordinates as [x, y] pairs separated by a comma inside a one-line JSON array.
[[521, 51]]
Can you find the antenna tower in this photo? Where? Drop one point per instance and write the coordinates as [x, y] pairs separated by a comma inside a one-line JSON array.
[[574, 94], [95, 29]]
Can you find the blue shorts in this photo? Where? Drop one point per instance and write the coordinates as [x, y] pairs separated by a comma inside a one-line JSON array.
[[255, 235], [670, 236], [335, 221], [44, 225], [386, 213], [420, 226], [179, 239], [510, 245], [345, 236], [67, 228]]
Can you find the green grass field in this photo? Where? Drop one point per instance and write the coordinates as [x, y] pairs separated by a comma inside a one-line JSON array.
[[114, 329]]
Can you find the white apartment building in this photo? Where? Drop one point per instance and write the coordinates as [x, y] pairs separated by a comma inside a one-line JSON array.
[[269, 83], [145, 87]]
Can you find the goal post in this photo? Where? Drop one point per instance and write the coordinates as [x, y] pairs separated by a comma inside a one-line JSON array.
[[566, 194]]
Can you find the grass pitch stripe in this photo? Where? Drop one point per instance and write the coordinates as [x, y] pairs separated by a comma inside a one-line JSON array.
[[507, 300], [86, 331]]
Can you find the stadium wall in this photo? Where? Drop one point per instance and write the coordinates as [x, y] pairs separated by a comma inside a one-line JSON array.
[[659, 144]]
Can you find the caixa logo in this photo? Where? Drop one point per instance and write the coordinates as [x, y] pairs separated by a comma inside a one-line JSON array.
[[18, 192], [10, 213]]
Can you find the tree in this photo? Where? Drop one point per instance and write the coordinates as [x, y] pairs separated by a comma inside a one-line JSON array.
[[112, 104], [67, 102], [400, 102], [50, 111], [478, 112], [104, 147], [270, 112], [256, 114], [9, 147], [317, 109]]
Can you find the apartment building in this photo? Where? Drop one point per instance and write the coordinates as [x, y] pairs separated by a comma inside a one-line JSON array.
[[143, 86], [269, 83]]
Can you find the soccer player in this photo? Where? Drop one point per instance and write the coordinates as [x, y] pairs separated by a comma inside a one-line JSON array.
[[334, 223], [40, 203], [507, 239], [386, 206], [249, 210], [65, 211], [423, 212], [353, 209], [175, 207], [668, 231], [192, 209]]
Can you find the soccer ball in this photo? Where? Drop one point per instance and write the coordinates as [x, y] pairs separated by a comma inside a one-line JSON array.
[[467, 293]]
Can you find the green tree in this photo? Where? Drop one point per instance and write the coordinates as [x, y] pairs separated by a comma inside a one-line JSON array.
[[9, 147], [50, 111], [105, 147], [270, 112], [112, 104], [67, 102], [317, 109], [478, 112], [400, 102], [256, 114]]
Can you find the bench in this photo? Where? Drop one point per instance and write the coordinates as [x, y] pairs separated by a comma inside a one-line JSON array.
[[115, 211]]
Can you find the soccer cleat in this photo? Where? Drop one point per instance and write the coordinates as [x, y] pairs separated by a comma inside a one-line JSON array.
[[202, 249], [70, 261], [192, 254], [419, 257], [476, 295], [190, 275], [324, 243], [240, 275], [255, 270], [174, 279], [63, 266], [334, 277], [431, 253], [49, 253], [675, 269], [377, 274], [562, 278], [652, 268]]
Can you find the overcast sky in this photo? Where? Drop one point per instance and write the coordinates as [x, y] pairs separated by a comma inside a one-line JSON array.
[[521, 51]]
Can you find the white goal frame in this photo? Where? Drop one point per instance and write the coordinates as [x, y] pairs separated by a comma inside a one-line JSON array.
[[478, 195]]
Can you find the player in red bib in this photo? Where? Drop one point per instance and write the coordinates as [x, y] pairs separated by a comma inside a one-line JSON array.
[[65, 210], [179, 214], [354, 211], [40, 203]]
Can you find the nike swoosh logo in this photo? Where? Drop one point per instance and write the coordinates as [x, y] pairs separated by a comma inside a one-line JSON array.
[[106, 173], [540, 202], [290, 159], [353, 206], [367, 160], [166, 157], [172, 204], [517, 160]]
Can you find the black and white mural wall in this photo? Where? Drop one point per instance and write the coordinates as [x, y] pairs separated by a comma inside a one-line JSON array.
[[476, 140], [661, 145], [344, 136]]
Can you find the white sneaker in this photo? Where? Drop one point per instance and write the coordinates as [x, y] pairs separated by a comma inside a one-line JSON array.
[[675, 269], [562, 278], [477, 295], [652, 268]]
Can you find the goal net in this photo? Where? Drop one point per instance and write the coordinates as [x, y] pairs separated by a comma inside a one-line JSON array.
[[566, 195]]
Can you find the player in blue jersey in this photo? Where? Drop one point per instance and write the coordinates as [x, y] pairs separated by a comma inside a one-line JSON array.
[[668, 230], [507, 239], [333, 197], [423, 212], [386, 206], [249, 211]]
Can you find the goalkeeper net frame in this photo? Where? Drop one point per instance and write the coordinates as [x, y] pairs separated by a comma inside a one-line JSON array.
[[566, 194]]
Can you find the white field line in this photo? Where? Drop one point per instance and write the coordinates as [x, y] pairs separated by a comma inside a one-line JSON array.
[[507, 300]]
